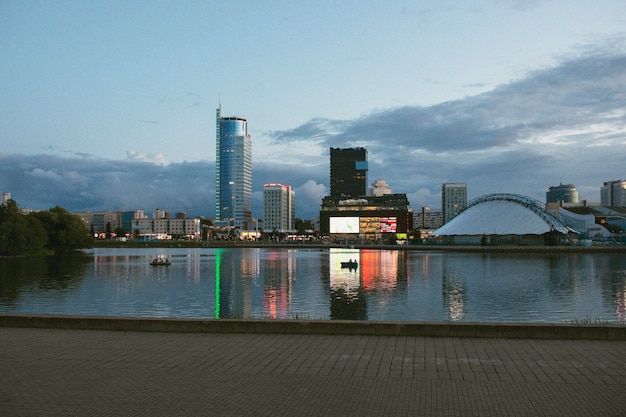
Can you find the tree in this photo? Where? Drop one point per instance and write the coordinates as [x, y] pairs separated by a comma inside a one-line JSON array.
[[66, 231], [303, 225], [107, 230], [19, 234]]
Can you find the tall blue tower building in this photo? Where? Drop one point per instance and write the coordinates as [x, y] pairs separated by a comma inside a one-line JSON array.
[[233, 172]]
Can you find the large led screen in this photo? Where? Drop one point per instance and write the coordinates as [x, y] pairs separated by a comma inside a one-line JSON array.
[[344, 225], [388, 224]]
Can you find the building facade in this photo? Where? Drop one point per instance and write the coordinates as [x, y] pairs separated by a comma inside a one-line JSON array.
[[233, 172], [370, 218], [613, 194], [167, 228], [453, 200], [279, 208], [97, 221], [348, 172], [427, 219], [566, 193]]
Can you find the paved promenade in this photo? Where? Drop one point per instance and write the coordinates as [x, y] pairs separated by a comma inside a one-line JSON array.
[[66, 372]]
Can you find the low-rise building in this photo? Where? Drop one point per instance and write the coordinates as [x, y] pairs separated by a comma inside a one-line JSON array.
[[371, 218]]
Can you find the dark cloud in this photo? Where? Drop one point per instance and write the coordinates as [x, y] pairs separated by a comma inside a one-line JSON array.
[[566, 123], [81, 183], [520, 137]]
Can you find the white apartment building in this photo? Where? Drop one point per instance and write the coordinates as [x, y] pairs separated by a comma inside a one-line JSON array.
[[170, 228], [279, 208]]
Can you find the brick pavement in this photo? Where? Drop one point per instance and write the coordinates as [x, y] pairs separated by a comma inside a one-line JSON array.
[[115, 373]]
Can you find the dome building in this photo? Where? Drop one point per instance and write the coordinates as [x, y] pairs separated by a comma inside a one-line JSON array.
[[503, 219]]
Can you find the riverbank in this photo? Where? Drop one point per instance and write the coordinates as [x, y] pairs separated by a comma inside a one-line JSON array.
[[316, 245], [322, 327]]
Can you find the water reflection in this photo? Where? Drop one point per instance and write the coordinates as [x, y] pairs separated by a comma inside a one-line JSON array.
[[311, 283], [57, 276]]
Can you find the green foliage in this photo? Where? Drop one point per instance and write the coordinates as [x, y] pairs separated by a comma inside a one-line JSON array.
[[19, 234], [66, 231], [303, 225], [56, 230]]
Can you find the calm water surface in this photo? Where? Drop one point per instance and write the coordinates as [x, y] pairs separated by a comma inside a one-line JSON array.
[[282, 283]]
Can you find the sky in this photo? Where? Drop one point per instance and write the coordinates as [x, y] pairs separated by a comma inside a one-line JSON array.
[[110, 105]]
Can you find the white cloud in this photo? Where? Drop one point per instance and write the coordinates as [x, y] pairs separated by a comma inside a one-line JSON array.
[[156, 158], [45, 174]]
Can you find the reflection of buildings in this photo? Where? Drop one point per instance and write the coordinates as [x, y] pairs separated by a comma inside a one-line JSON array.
[[278, 270], [454, 296], [347, 297], [239, 295], [234, 282], [379, 269]]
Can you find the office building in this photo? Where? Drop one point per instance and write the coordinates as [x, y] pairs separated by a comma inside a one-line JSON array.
[[369, 218], [348, 172], [453, 199], [278, 208], [233, 172], [613, 194], [565, 193]]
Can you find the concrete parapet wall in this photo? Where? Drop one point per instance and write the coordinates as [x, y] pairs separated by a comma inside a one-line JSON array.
[[326, 327]]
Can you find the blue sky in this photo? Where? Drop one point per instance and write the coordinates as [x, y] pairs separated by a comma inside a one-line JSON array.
[[111, 104]]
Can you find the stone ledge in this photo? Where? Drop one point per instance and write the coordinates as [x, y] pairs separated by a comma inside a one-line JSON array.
[[326, 327]]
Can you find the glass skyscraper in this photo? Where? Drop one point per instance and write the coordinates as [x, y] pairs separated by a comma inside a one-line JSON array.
[[233, 172]]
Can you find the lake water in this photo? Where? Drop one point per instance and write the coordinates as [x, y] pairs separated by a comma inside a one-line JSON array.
[[394, 285]]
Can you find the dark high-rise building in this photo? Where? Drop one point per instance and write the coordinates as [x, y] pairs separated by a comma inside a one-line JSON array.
[[233, 174], [348, 172]]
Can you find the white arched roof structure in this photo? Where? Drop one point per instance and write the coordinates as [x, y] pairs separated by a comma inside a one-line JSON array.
[[503, 214]]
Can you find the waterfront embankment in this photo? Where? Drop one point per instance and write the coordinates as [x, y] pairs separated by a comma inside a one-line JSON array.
[[564, 331]]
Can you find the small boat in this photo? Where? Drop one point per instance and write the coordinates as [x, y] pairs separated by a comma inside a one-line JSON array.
[[350, 264], [160, 262]]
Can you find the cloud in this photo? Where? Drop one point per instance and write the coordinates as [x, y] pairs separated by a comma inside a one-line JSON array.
[[562, 122], [43, 181], [565, 123], [157, 158]]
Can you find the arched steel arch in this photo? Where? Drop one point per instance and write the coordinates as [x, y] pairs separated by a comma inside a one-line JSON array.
[[530, 203]]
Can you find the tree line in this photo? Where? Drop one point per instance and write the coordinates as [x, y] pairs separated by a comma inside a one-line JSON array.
[[42, 232]]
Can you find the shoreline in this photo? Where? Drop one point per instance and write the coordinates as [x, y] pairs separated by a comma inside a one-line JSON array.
[[565, 331], [424, 248]]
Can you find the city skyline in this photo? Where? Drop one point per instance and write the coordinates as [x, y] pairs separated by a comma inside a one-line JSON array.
[[111, 106]]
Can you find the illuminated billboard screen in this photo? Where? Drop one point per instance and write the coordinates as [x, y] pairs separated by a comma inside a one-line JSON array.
[[344, 225], [388, 224]]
